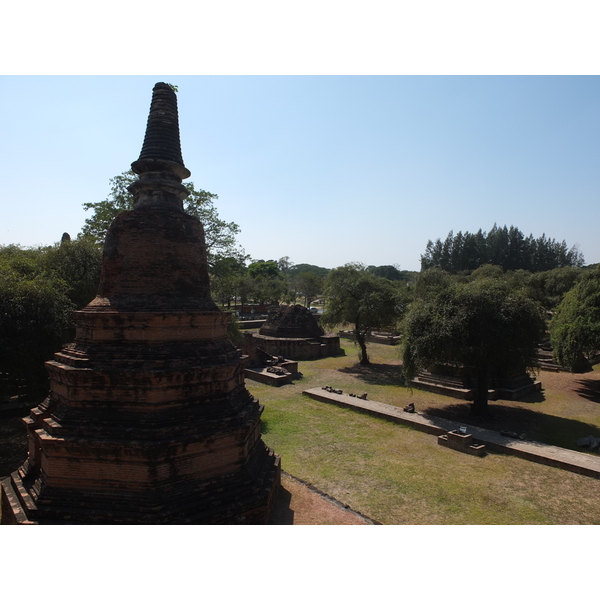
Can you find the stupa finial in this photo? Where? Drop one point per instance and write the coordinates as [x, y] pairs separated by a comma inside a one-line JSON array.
[[160, 165]]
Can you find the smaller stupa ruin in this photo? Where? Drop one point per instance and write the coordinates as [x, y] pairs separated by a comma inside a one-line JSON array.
[[148, 420], [294, 333]]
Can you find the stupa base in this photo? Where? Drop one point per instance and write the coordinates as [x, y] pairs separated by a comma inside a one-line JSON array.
[[242, 499]]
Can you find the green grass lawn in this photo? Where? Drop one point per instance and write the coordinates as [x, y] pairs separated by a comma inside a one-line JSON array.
[[397, 475]]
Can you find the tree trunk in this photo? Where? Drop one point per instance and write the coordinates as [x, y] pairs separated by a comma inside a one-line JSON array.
[[362, 344], [480, 402]]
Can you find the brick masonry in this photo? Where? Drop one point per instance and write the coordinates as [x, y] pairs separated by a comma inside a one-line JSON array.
[[148, 418]]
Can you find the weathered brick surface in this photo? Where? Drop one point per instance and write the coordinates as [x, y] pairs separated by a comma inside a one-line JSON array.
[[293, 332], [148, 418]]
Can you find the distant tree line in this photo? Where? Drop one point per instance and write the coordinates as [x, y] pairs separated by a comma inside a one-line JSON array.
[[502, 246]]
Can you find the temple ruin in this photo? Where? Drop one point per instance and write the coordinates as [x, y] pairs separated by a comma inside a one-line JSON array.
[[148, 419], [293, 332], [460, 381]]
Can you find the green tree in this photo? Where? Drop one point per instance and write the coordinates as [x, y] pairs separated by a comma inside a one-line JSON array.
[[482, 324], [550, 287], [309, 285], [264, 268], [306, 268], [575, 327], [268, 289], [268, 284], [359, 298], [224, 277], [78, 263], [391, 272], [220, 235], [35, 317], [244, 286], [431, 281]]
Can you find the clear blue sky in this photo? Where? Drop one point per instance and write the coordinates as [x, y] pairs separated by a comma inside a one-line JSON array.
[[323, 169]]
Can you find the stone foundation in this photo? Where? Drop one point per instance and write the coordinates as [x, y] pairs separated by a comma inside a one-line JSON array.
[[300, 348], [458, 382], [294, 333]]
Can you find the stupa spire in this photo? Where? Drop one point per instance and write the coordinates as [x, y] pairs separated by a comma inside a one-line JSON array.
[[160, 164]]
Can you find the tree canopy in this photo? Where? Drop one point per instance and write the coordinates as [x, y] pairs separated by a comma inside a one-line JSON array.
[[575, 326], [264, 268], [220, 235], [506, 247], [39, 289], [302, 268], [391, 272], [359, 298], [482, 324]]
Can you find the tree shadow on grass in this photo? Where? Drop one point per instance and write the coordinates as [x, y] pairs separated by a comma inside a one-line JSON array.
[[590, 390], [536, 426], [376, 374], [533, 398]]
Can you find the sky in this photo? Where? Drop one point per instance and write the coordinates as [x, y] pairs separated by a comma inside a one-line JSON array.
[[323, 169]]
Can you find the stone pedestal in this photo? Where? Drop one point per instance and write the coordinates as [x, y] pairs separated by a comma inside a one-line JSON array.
[[463, 442]]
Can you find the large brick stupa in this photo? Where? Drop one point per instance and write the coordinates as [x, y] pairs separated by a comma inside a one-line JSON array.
[[148, 418]]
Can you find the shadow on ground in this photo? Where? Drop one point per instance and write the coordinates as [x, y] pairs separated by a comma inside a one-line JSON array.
[[536, 426], [376, 374], [13, 444], [590, 390], [281, 513], [533, 398]]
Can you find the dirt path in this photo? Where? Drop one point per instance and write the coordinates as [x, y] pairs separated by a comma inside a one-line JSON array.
[[299, 504]]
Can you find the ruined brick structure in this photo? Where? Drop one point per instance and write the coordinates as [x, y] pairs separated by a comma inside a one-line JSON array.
[[148, 418], [459, 381], [293, 332]]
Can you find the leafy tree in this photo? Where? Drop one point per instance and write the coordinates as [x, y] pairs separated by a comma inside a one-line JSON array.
[[220, 235], [431, 282], [488, 272], [362, 299], [224, 278], [309, 285], [550, 287], [264, 268], [78, 264], [35, 316], [575, 327], [390, 272], [268, 284], [482, 324], [306, 268], [284, 264], [267, 289], [244, 286]]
